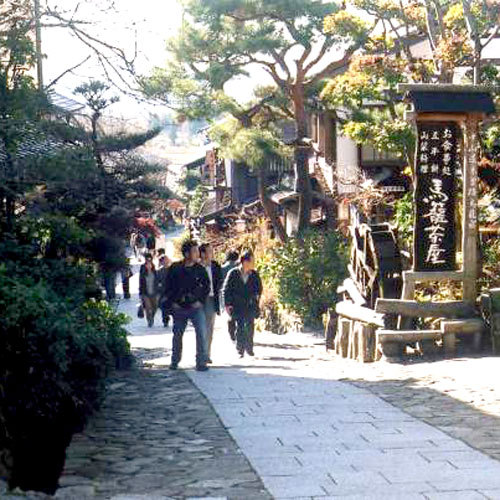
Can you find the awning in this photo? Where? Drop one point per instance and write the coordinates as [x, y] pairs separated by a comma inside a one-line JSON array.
[[195, 164], [449, 98], [462, 102], [282, 197]]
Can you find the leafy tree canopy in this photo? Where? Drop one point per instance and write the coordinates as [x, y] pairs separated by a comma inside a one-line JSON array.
[[450, 35], [222, 40]]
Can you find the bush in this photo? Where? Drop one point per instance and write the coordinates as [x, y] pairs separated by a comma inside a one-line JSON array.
[[306, 273], [56, 348], [403, 220]]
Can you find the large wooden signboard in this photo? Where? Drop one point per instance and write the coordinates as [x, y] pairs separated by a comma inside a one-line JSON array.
[[435, 188]]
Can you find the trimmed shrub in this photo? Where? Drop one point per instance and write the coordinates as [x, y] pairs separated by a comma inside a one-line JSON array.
[[306, 273]]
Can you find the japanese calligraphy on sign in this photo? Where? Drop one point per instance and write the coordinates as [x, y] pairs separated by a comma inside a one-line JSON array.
[[435, 165]]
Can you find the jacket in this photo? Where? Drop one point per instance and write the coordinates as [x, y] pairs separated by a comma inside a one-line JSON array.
[[243, 297], [227, 267], [186, 285], [218, 281], [142, 283]]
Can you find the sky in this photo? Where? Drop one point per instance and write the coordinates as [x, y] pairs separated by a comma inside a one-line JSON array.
[[153, 20]]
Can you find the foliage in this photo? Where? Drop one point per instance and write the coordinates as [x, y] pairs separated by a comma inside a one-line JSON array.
[[456, 34], [307, 273], [252, 146], [221, 41], [490, 253], [57, 345], [197, 201], [66, 205], [190, 180], [404, 220]]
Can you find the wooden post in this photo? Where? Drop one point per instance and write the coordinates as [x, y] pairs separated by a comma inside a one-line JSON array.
[[469, 217], [38, 45]]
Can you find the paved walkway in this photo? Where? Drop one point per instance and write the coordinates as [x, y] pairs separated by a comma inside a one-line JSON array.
[[310, 434], [307, 436], [294, 422]]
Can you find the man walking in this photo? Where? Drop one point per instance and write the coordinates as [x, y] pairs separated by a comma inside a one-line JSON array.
[[232, 261], [187, 288], [242, 291], [212, 304]]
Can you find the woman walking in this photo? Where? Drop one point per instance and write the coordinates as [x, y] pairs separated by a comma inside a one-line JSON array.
[[242, 291], [148, 289]]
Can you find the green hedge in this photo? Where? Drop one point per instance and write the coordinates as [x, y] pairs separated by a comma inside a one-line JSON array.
[[58, 343], [306, 273]]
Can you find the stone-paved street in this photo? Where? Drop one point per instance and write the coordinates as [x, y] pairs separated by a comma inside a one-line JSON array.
[[313, 425], [321, 436], [293, 422], [156, 436]]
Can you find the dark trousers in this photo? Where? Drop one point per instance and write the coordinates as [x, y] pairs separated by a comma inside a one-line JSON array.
[[231, 328], [197, 318], [126, 285], [165, 312], [109, 279], [244, 335]]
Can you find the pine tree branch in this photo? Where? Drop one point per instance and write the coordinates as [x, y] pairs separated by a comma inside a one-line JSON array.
[[279, 56], [333, 66], [324, 49]]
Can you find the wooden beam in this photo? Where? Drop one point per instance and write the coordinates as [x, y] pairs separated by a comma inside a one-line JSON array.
[[414, 309], [423, 276], [441, 117], [407, 335], [463, 326], [470, 210], [353, 291], [355, 312], [444, 87]]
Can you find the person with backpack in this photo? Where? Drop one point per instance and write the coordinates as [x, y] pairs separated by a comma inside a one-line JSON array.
[[242, 291]]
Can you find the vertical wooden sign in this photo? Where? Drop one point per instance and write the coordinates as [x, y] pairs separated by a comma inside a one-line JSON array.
[[435, 189]]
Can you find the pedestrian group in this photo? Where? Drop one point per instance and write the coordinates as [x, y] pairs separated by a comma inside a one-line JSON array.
[[197, 289]]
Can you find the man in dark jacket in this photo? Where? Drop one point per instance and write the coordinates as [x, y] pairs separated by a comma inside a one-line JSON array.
[[212, 304], [242, 291], [232, 261], [164, 263], [187, 287]]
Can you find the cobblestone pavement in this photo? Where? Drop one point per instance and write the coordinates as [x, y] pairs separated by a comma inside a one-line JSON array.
[[313, 425], [156, 437], [296, 421]]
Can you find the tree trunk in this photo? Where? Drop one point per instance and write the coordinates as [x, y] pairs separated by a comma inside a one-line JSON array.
[[268, 206], [477, 60], [302, 179]]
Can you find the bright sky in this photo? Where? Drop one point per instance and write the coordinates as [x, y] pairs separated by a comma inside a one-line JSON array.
[[153, 20]]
